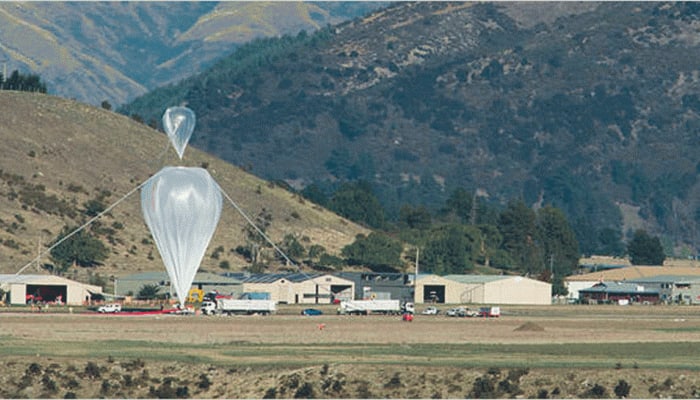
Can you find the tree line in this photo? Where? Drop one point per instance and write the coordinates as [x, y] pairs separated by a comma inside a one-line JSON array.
[[469, 235], [466, 235], [21, 82]]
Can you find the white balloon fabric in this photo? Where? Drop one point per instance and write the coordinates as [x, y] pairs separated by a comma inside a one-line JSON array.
[[178, 123], [181, 206]]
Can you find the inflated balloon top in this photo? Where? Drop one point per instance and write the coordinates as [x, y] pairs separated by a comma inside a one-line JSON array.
[[181, 206], [178, 123]]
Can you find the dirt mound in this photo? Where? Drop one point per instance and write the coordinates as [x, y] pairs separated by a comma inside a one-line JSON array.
[[529, 327]]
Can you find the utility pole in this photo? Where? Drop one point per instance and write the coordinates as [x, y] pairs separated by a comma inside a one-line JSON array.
[[551, 266], [415, 278]]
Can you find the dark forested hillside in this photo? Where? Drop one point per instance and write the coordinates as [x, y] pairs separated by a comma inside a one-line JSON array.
[[591, 107]]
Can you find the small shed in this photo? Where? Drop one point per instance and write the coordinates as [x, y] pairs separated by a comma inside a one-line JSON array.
[[22, 289]]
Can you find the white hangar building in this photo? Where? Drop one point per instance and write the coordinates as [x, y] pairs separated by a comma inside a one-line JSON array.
[[482, 289], [46, 288]]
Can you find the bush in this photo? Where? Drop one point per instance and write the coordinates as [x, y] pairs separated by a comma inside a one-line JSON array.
[[394, 382], [483, 388], [49, 385], [92, 370], [506, 386], [167, 391], [33, 369], [204, 382], [596, 392], [305, 391], [622, 389]]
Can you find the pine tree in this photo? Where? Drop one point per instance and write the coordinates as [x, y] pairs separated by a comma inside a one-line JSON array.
[[645, 250]]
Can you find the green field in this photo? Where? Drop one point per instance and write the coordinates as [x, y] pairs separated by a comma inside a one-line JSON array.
[[548, 346]]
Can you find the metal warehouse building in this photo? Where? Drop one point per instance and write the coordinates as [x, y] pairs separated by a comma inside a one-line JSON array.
[[612, 292], [131, 285], [575, 283], [482, 289], [377, 285], [299, 288], [46, 288]]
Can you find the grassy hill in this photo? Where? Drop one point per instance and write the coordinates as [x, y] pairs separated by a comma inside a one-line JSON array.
[[59, 154]]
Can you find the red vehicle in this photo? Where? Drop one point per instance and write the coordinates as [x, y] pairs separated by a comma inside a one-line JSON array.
[[490, 312]]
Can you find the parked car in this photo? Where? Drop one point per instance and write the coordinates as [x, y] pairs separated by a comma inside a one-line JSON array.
[[452, 312], [110, 308], [461, 312], [311, 311], [465, 312], [431, 311]]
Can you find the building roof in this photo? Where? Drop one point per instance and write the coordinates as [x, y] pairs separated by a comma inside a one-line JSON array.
[[668, 279], [295, 277], [634, 272], [145, 276], [373, 276], [619, 287], [199, 278], [37, 279], [477, 278]]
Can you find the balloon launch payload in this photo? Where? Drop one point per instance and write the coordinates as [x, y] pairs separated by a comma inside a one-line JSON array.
[[181, 206]]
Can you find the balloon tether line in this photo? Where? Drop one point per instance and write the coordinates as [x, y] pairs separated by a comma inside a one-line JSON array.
[[159, 159], [83, 226], [250, 221]]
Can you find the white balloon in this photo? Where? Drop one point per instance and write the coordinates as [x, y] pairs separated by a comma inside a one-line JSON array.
[[178, 123], [181, 206]]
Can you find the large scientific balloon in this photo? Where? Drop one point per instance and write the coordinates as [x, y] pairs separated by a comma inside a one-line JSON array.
[[178, 123], [181, 206]]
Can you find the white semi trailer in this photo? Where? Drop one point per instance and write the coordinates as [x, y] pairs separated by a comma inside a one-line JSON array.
[[374, 306], [238, 306]]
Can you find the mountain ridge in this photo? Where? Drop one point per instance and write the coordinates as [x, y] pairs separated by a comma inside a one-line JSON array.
[[111, 51], [563, 104]]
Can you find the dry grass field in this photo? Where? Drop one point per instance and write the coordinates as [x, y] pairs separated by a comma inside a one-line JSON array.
[[531, 352]]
